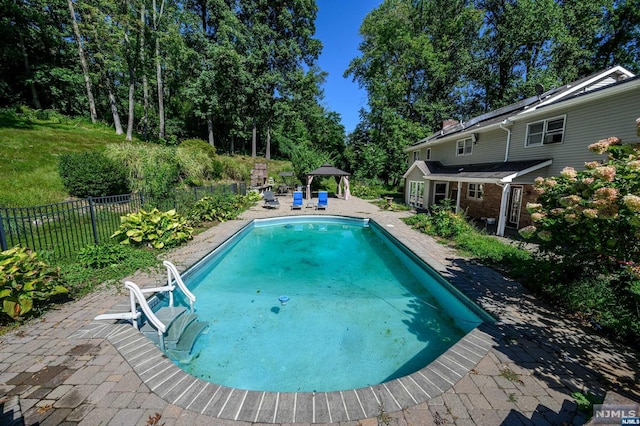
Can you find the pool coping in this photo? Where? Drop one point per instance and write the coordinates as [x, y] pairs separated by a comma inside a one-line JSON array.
[[177, 387]]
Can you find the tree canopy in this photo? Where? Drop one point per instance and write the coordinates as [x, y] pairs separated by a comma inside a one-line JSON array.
[[243, 74]]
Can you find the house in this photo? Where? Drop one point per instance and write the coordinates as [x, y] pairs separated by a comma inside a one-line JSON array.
[[487, 165]]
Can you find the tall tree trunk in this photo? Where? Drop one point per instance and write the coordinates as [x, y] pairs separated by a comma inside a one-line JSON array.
[[233, 139], [27, 68], [210, 129], [267, 154], [114, 105], [132, 88], [83, 63], [145, 83], [254, 141], [156, 20]]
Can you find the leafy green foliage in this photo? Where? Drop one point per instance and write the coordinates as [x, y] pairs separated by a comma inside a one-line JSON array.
[[152, 169], [92, 174], [100, 256], [218, 208], [367, 191], [24, 280], [492, 251], [586, 401], [104, 265], [589, 221], [442, 222], [155, 229]]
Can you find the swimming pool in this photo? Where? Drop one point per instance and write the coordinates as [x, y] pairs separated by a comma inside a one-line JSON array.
[[361, 308]]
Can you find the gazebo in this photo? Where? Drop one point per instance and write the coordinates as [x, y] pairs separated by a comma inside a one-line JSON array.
[[328, 170]]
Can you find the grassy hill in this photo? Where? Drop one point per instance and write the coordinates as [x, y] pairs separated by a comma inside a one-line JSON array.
[[31, 143], [29, 151]]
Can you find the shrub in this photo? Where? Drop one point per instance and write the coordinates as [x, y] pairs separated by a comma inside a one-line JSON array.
[[195, 165], [92, 174], [151, 169], [154, 229], [364, 191], [25, 280], [234, 170], [199, 145], [590, 220], [218, 208], [598, 301]]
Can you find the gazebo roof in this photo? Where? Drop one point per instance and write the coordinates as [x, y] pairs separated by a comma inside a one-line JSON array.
[[327, 170]]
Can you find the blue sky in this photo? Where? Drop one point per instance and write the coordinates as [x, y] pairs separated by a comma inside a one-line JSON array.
[[337, 27]]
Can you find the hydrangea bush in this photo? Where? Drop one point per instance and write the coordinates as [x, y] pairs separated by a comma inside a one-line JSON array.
[[589, 221]]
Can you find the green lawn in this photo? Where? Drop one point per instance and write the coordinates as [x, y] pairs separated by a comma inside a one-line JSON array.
[[29, 151]]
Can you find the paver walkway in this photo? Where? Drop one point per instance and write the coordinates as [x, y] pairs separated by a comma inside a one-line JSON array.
[[49, 376]]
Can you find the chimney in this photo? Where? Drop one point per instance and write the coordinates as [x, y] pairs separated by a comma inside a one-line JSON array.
[[448, 123]]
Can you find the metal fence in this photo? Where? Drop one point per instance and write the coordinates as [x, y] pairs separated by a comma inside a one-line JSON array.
[[63, 228]]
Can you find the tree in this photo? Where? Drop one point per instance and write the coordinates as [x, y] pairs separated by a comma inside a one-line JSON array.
[[279, 39], [83, 62], [414, 56]]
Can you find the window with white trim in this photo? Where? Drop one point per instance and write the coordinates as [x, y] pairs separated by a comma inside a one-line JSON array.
[[464, 147], [428, 155], [475, 191], [416, 155], [545, 132]]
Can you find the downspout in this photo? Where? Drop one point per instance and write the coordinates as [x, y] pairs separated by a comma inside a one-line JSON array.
[[502, 216], [505, 123]]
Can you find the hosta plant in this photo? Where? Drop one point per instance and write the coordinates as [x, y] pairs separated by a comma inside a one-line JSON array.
[[218, 208], [155, 229], [25, 279]]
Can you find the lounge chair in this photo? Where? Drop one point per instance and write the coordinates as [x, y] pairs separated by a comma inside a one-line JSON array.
[[270, 201], [297, 200], [323, 200]]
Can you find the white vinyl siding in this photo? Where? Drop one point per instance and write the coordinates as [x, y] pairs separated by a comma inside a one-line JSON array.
[[585, 124], [488, 148], [464, 147], [545, 132]]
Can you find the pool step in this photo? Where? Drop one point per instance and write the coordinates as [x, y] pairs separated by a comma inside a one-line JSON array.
[[183, 347], [183, 329], [172, 328]]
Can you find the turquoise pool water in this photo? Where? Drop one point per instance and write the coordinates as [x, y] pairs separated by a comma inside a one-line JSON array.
[[359, 310]]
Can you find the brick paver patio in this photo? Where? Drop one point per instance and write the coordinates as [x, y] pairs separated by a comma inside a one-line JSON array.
[[52, 372]]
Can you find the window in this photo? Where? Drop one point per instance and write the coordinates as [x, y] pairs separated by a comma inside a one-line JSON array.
[[428, 156], [545, 132], [416, 155], [475, 191], [464, 147]]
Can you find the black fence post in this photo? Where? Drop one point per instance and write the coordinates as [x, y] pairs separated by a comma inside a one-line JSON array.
[[94, 225], [3, 237]]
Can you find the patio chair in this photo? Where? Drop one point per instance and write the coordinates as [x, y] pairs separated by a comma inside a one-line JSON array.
[[323, 200], [270, 201], [297, 200]]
